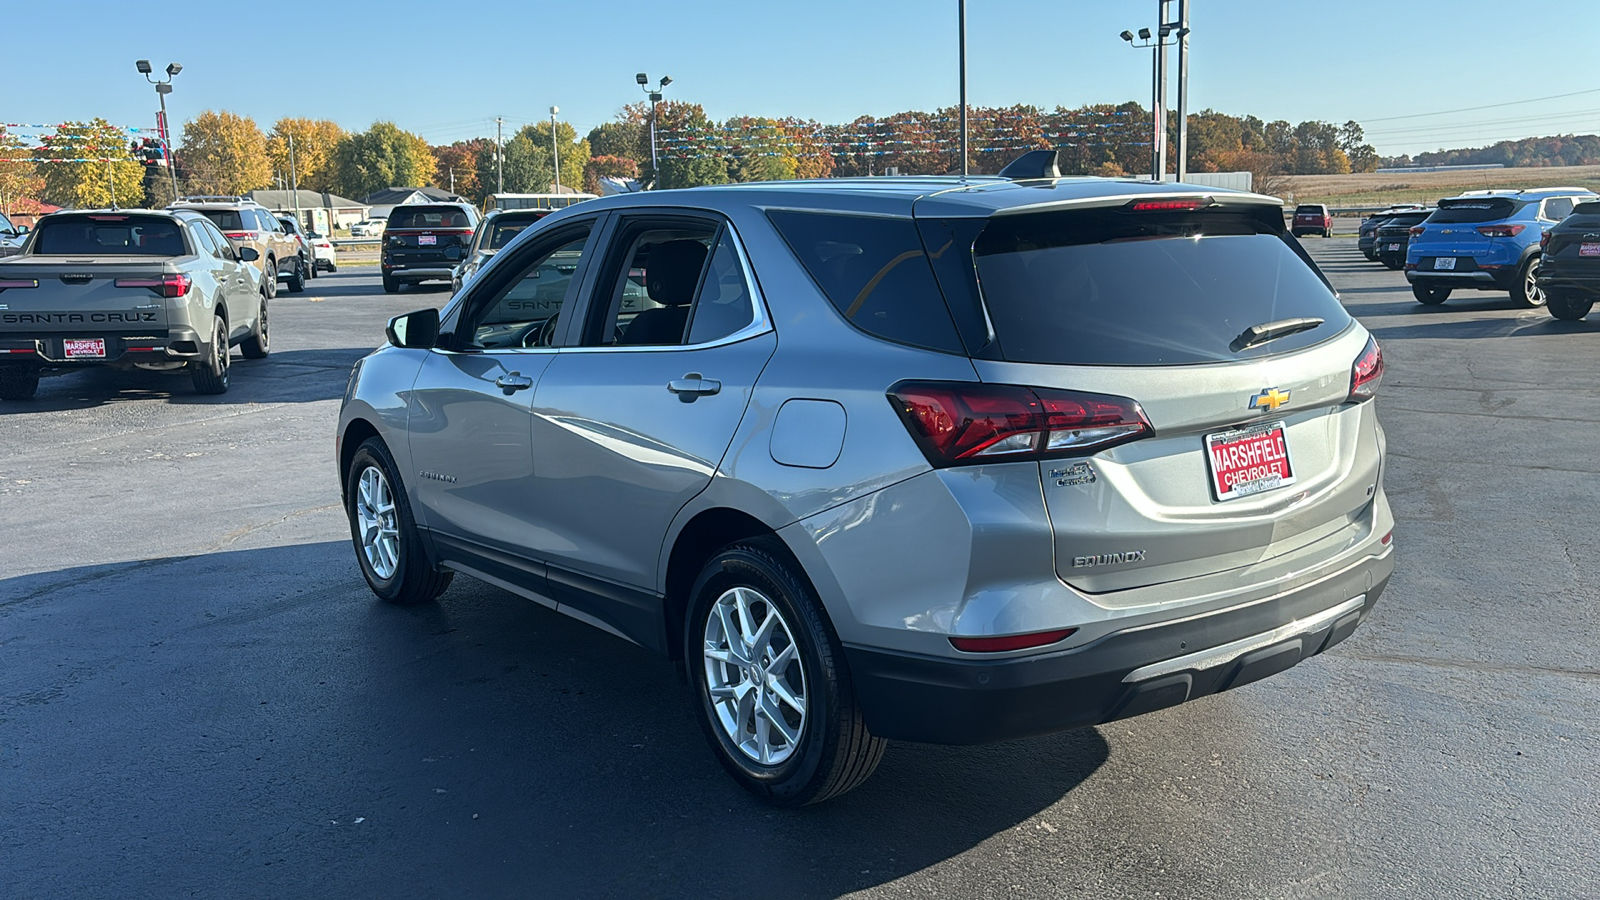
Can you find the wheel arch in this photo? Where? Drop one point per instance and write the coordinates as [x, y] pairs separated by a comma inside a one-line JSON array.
[[356, 433], [697, 541]]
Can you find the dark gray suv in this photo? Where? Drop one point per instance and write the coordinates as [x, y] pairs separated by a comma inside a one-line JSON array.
[[928, 459]]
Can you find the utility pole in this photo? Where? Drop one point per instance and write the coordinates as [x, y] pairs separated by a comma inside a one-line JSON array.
[[452, 179], [1183, 89], [294, 180], [555, 152], [961, 6], [1161, 91], [499, 158]]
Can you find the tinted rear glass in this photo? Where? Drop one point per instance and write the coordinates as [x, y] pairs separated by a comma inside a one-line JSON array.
[[227, 219], [1405, 220], [1588, 208], [1474, 210], [507, 227], [1310, 211], [429, 217], [1136, 288], [874, 271], [109, 235]]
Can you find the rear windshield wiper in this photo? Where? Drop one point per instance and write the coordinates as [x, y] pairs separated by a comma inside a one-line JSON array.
[[1271, 331]]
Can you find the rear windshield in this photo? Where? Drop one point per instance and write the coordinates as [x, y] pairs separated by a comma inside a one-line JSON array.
[[1474, 210], [226, 219], [111, 235], [1121, 288], [429, 217], [1405, 220], [507, 227], [1309, 211], [1589, 208]]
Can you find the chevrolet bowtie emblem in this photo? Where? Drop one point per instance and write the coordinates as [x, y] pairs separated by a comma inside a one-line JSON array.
[[1269, 399]]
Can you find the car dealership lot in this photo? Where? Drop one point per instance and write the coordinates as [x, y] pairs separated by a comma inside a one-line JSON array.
[[198, 695]]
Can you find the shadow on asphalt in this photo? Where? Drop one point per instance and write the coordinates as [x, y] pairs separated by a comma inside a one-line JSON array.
[[289, 731]]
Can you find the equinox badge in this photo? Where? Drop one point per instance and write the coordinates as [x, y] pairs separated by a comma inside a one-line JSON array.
[[1269, 399]]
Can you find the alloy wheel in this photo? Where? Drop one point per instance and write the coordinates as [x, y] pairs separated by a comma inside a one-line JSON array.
[[378, 522], [1530, 283], [754, 676]]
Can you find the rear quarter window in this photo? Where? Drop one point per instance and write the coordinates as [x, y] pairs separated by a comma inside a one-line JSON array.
[[875, 273], [109, 235]]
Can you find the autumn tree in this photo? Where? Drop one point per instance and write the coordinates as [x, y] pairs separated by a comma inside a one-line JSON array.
[[314, 144], [224, 154], [685, 137], [19, 178], [757, 149], [380, 157], [600, 167], [622, 139], [455, 167], [573, 152], [526, 164], [92, 167]]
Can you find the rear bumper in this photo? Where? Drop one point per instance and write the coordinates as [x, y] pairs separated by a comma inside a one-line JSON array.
[[1496, 280], [1126, 673], [419, 273], [46, 349], [1580, 277]]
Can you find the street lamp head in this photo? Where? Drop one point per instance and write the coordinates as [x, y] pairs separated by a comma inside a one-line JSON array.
[[655, 96], [1127, 36], [173, 69], [1144, 34], [163, 87], [554, 110], [666, 80], [144, 66], [642, 78]]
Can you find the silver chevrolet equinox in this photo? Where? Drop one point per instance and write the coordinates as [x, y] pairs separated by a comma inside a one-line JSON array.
[[926, 459]]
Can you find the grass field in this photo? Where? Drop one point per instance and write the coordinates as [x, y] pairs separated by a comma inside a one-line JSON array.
[[1381, 189]]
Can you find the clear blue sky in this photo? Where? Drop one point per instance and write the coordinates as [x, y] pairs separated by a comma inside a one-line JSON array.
[[446, 76]]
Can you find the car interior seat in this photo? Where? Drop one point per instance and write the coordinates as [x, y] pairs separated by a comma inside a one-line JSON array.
[[672, 273]]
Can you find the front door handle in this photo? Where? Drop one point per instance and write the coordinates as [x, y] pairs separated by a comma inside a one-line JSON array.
[[512, 382], [692, 385]]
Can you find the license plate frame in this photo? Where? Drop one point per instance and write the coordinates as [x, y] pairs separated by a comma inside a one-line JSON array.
[[1589, 248], [427, 240], [1444, 264], [83, 348], [1272, 459]]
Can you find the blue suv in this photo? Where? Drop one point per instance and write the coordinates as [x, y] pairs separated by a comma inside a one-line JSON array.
[[1486, 241]]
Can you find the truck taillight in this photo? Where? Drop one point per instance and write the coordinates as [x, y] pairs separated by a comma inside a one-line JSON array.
[[169, 285], [962, 423], [1416, 231], [1500, 230], [9, 283], [1367, 373], [1544, 241]]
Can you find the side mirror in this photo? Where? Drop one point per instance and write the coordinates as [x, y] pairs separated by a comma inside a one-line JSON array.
[[247, 254], [415, 330], [23, 229]]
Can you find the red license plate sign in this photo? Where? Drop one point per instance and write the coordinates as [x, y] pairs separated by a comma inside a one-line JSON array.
[[1248, 461], [1589, 249], [427, 240], [84, 348]]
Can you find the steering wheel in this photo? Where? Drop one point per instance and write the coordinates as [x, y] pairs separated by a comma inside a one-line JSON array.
[[538, 335]]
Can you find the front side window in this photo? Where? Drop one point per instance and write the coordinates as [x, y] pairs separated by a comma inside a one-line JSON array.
[[523, 308]]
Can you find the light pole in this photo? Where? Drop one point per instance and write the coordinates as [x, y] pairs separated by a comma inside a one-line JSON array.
[[655, 97], [555, 152], [1157, 132], [163, 88], [961, 10], [1183, 89]]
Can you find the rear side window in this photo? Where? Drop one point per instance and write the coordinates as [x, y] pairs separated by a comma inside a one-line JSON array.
[[227, 219], [1558, 208], [875, 272], [109, 235], [1463, 211], [1120, 288], [429, 217]]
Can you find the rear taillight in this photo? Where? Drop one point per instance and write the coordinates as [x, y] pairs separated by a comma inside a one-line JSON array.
[[170, 285], [1500, 230], [8, 283], [958, 423], [1416, 230], [1010, 641], [1544, 241], [1367, 373]]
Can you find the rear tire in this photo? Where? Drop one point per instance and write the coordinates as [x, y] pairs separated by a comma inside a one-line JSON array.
[[1527, 291], [1568, 306], [296, 282], [1430, 296], [259, 343], [18, 382], [757, 640], [269, 274], [390, 286], [388, 546], [210, 375]]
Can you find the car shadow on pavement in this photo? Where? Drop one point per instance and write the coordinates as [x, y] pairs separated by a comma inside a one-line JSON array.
[[1477, 327], [287, 376], [290, 733]]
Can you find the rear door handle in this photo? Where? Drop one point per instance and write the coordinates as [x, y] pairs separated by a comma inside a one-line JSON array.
[[512, 382], [692, 385]]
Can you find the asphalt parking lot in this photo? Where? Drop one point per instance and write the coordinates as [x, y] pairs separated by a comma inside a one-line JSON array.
[[199, 697]]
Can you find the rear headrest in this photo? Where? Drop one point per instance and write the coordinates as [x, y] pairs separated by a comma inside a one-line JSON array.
[[672, 271]]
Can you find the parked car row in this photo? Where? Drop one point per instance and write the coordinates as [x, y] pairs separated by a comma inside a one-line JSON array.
[[1496, 240]]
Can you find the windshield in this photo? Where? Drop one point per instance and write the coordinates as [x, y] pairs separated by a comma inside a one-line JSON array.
[[1115, 287], [109, 235]]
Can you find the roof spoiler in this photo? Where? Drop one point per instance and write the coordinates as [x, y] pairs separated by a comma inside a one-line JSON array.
[[1033, 164]]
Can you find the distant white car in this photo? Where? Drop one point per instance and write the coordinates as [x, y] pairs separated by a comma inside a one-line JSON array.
[[369, 227], [327, 258]]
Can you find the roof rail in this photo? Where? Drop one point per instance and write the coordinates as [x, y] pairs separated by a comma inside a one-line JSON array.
[[213, 198]]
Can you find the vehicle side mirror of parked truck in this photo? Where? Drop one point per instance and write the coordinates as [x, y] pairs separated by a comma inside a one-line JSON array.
[[417, 330]]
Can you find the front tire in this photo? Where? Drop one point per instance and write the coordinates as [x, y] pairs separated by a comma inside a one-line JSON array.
[[210, 375], [18, 382], [259, 343], [1430, 296], [1527, 291], [772, 690], [1568, 306], [388, 546]]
